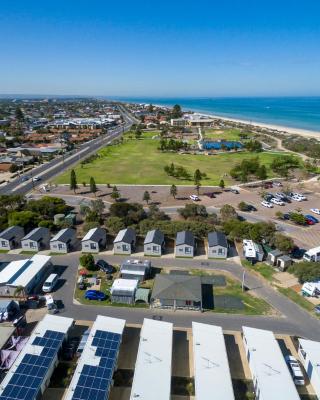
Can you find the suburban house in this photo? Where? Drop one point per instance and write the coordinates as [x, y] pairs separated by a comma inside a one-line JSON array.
[[154, 243], [123, 291], [94, 241], [64, 241], [273, 256], [135, 269], [36, 240], [185, 244], [217, 245], [125, 242], [252, 251], [177, 292], [11, 237]]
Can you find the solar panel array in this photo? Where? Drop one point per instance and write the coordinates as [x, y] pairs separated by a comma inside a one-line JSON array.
[[94, 381], [25, 383]]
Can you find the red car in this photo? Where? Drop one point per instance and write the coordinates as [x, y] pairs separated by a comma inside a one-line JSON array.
[[309, 222]]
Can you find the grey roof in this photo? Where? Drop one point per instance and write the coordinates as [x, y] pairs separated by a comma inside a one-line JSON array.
[[276, 252], [217, 239], [37, 234], [11, 232], [285, 258], [185, 237], [95, 234], [126, 235], [177, 287], [154, 236], [64, 235]]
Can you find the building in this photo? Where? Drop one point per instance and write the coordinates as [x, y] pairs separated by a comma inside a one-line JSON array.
[[273, 256], [271, 377], [200, 122], [154, 243], [177, 292], [36, 240], [92, 378], [252, 251], [30, 374], [217, 245], [181, 122], [185, 244], [94, 241], [11, 237], [309, 353], [284, 262], [211, 366], [152, 374], [135, 269], [64, 241], [125, 242], [123, 291], [27, 273]]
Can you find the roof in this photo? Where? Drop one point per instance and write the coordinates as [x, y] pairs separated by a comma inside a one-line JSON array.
[[29, 271], [126, 285], [142, 294], [36, 234], [154, 236], [135, 266], [285, 258], [276, 253], [178, 287], [125, 235], [211, 367], [14, 268], [152, 374], [217, 239], [312, 349], [10, 232], [268, 365], [5, 334], [185, 237], [64, 235], [94, 234]]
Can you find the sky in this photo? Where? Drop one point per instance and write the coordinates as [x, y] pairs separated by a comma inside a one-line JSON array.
[[162, 49]]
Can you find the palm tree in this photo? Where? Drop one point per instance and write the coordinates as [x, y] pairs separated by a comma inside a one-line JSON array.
[[19, 292]]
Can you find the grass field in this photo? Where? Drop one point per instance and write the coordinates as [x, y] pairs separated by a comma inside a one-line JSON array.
[[139, 162], [228, 134]]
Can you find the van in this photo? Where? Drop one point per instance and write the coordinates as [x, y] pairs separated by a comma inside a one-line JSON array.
[[295, 370], [311, 289], [50, 283], [312, 255]]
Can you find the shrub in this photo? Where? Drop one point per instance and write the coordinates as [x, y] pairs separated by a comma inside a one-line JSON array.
[[87, 261]]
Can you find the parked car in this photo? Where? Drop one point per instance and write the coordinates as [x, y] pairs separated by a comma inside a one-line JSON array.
[[317, 309], [81, 283], [296, 198], [36, 179], [194, 197], [250, 207], [314, 219], [276, 201], [296, 252], [279, 184], [25, 178], [295, 370], [309, 221], [280, 195], [286, 216], [315, 210], [104, 266], [268, 196], [234, 191], [95, 295], [266, 204], [300, 195]]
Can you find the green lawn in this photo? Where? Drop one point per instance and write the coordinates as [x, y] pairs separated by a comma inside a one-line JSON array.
[[139, 162], [228, 134], [264, 269]]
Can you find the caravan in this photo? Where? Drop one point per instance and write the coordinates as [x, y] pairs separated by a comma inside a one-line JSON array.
[[311, 289], [312, 255]]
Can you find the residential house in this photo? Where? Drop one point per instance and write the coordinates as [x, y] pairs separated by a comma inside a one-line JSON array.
[[125, 242], [123, 291], [64, 241], [36, 240], [135, 269], [11, 237], [94, 241], [185, 244], [217, 245], [154, 243]]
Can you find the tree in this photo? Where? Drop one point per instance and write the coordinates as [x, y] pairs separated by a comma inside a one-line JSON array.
[[262, 172], [115, 195], [306, 271], [19, 114], [73, 181], [197, 176], [114, 225], [146, 197], [283, 243], [98, 206], [221, 184], [197, 188], [228, 212], [27, 219], [93, 186], [243, 206], [87, 261], [176, 111], [193, 211], [173, 191]]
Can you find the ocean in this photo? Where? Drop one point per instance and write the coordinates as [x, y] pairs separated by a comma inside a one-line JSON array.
[[292, 112]]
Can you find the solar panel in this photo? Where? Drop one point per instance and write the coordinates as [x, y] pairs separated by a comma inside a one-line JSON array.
[[26, 381], [94, 381]]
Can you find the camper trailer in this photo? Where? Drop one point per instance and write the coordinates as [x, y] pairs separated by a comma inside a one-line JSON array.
[[312, 255]]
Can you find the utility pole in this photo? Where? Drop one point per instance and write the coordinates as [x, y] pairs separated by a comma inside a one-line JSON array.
[[243, 278]]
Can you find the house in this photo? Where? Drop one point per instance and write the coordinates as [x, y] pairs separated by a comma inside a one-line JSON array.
[[185, 244], [284, 262], [135, 269], [36, 240], [94, 241], [11, 237], [125, 242], [309, 353], [217, 245], [123, 291], [273, 256], [252, 251], [64, 241], [181, 122], [154, 243], [177, 292]]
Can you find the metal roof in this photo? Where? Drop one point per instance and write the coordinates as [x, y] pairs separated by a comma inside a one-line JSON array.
[[217, 239], [211, 367], [64, 235], [125, 235], [152, 375], [126, 285], [11, 232], [10, 270], [33, 267], [177, 287], [94, 234], [154, 236], [312, 350], [36, 234], [268, 366], [185, 237]]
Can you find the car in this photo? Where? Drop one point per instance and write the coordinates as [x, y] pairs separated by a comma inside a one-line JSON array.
[[104, 266], [309, 221], [266, 204], [296, 198], [280, 195], [36, 179], [268, 196], [315, 210], [25, 178], [286, 216], [276, 201], [314, 219], [317, 309], [279, 184], [234, 191], [297, 252], [295, 370], [268, 185], [94, 295], [300, 195], [250, 207], [194, 197]]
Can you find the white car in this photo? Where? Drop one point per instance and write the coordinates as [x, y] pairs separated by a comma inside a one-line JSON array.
[[300, 195], [295, 197], [194, 197], [266, 204], [276, 201], [295, 370], [279, 184], [315, 210], [36, 179]]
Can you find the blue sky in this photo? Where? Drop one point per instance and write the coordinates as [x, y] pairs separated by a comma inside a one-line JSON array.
[[165, 48]]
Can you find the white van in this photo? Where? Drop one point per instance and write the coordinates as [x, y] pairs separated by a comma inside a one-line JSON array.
[[312, 255], [311, 289], [50, 283]]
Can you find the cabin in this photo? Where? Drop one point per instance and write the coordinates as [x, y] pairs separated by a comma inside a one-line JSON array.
[[94, 241], [36, 240], [185, 244], [125, 242], [154, 243], [64, 241], [11, 238], [217, 245]]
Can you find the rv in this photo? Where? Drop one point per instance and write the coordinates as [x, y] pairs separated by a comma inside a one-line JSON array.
[[311, 289], [312, 255]]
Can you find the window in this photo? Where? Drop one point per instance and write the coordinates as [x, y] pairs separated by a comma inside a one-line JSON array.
[[125, 247], [155, 249], [188, 250], [60, 246], [3, 243], [93, 246], [188, 302], [220, 251], [32, 245]]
